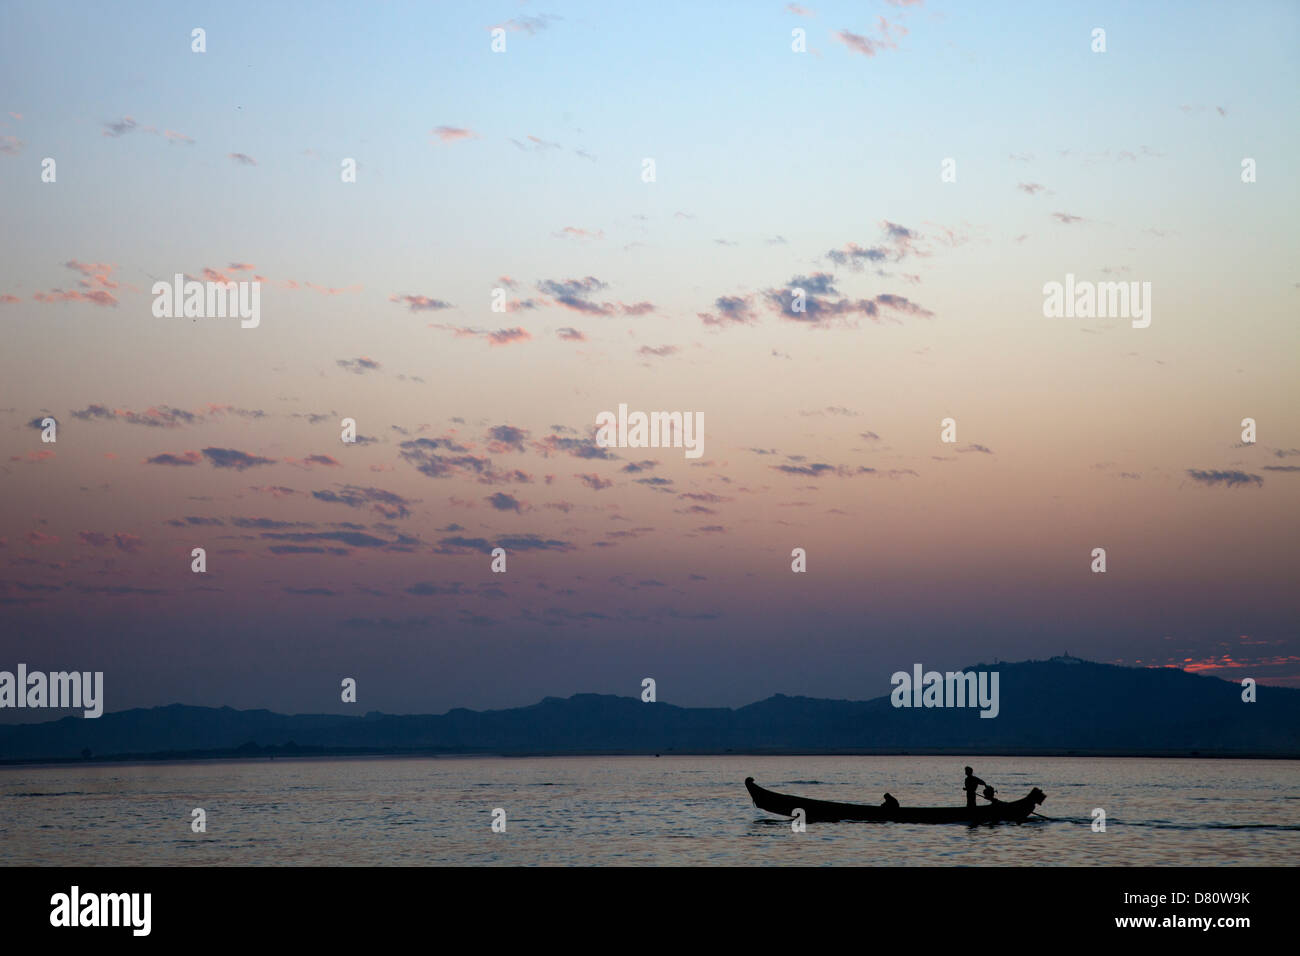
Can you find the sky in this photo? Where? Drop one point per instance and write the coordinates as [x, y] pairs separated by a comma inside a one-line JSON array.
[[919, 170]]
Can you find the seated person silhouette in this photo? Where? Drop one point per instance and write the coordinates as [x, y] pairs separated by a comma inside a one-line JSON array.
[[889, 803]]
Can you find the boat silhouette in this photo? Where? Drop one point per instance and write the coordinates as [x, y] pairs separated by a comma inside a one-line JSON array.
[[827, 811]]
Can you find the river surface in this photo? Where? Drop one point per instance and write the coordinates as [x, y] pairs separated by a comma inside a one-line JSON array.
[[639, 811]]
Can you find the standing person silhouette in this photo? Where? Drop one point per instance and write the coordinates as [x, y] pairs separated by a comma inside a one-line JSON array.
[[972, 785]]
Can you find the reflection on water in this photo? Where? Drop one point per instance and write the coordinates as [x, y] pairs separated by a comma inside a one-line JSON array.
[[639, 810]]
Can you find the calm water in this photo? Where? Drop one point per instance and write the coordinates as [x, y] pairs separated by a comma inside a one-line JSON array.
[[638, 810]]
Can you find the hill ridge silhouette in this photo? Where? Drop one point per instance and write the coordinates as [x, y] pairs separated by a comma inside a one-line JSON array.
[[1047, 707]]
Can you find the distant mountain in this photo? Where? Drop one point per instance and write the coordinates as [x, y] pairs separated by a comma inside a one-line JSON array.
[[1060, 706]]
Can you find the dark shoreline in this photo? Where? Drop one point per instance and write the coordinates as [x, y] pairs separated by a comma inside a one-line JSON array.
[[244, 754]]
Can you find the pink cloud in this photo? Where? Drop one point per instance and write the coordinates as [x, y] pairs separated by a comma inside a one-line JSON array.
[[333, 290], [213, 275], [96, 281], [573, 232], [326, 461], [452, 134], [494, 337], [868, 46], [506, 336], [58, 295], [275, 491], [184, 459], [662, 351], [123, 542], [421, 303], [127, 542], [34, 457]]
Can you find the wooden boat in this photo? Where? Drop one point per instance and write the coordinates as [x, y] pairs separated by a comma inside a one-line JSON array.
[[826, 811]]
